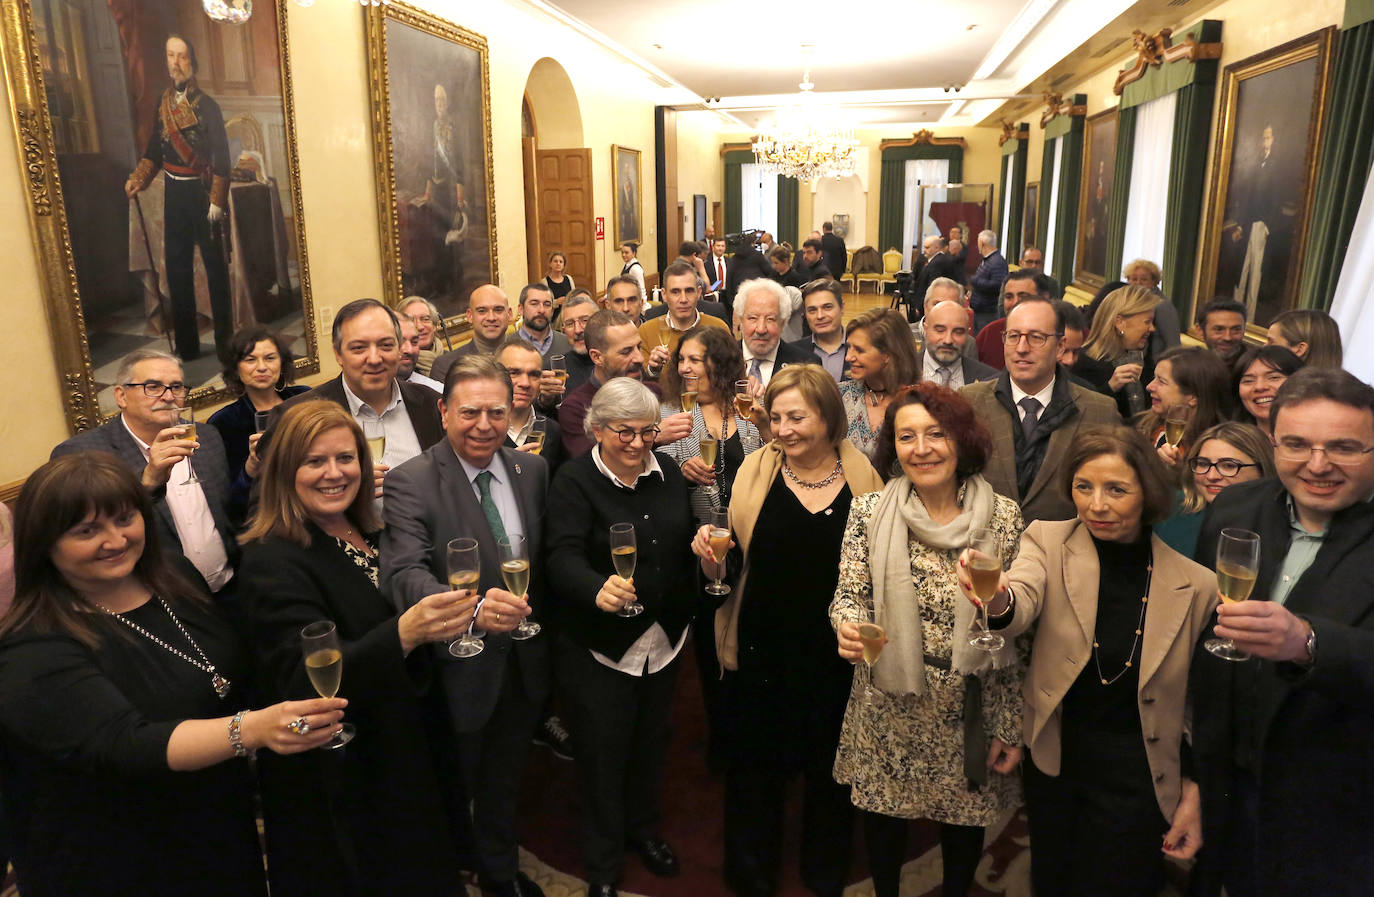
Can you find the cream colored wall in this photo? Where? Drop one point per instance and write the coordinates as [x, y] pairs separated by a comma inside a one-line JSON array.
[[700, 167], [338, 185]]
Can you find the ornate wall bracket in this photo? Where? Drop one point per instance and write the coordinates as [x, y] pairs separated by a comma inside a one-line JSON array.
[[1159, 48], [1056, 106], [924, 136], [1012, 131]]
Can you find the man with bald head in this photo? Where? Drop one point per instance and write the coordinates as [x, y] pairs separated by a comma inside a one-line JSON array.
[[939, 265], [490, 316], [944, 289], [943, 360]]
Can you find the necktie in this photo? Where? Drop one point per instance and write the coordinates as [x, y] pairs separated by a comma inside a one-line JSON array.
[[945, 372], [754, 371], [720, 270], [1031, 406], [498, 529]]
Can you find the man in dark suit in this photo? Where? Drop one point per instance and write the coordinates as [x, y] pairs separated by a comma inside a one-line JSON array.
[[745, 264], [763, 314], [490, 315], [367, 346], [943, 360], [517, 356], [1281, 741], [823, 304], [1033, 411], [832, 247], [939, 263], [192, 518], [811, 264], [986, 282], [469, 486], [717, 268]]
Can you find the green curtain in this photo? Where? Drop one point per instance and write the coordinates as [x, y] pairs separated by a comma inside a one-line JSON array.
[[892, 185], [1047, 176], [1011, 241], [788, 212], [1066, 216], [1346, 155], [734, 199], [1121, 191]]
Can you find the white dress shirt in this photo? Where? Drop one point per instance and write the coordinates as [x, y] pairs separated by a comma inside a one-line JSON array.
[[195, 525], [767, 363], [1043, 397], [502, 492], [652, 651], [401, 442]]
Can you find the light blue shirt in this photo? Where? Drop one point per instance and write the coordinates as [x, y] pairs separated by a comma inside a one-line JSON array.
[[543, 345], [1302, 551], [502, 491]]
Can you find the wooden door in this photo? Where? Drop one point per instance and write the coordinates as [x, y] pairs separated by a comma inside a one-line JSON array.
[[566, 222], [718, 220], [534, 253], [676, 237]]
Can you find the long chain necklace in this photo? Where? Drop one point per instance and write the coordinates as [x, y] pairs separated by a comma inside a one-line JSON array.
[[218, 682], [1139, 629], [818, 484]]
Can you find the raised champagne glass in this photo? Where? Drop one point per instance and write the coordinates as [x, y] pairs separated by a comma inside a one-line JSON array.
[[1175, 424], [985, 569], [1238, 552], [744, 398], [558, 366], [324, 666], [464, 575], [538, 432], [689, 392], [623, 550], [720, 545], [186, 419], [515, 572], [375, 434], [709, 446], [873, 638]]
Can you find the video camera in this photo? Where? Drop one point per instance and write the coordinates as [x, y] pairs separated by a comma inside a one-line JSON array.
[[743, 240]]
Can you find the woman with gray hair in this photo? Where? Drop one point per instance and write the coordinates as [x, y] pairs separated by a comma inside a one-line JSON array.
[[617, 665]]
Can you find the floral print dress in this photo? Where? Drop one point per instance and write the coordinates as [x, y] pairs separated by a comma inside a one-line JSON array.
[[853, 393], [903, 755]]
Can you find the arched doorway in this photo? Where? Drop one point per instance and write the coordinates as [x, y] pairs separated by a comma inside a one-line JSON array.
[[557, 174]]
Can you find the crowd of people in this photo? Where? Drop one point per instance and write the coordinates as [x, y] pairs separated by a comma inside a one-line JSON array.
[[937, 564]]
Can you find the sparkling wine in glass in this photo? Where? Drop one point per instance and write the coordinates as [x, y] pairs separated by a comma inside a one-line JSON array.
[[186, 419], [873, 638], [324, 666], [985, 569], [689, 393], [538, 432], [558, 366], [376, 439], [709, 446], [720, 545], [623, 556], [515, 572], [1175, 424], [1237, 568], [464, 574], [744, 398]]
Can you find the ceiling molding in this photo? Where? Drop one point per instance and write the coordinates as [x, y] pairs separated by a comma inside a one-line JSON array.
[[1055, 107], [1157, 49], [1011, 131], [924, 136]]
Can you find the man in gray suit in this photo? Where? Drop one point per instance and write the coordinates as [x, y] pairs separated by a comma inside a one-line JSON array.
[[469, 486], [1034, 410], [192, 518], [943, 360]]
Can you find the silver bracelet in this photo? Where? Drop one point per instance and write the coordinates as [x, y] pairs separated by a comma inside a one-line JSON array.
[[236, 735], [1011, 605]]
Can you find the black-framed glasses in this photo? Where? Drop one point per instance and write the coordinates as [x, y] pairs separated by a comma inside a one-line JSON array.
[[627, 434], [1227, 467], [1036, 339], [1342, 451], [154, 389]]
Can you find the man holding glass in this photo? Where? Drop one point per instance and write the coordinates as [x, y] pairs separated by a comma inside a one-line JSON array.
[[1281, 741], [469, 486]]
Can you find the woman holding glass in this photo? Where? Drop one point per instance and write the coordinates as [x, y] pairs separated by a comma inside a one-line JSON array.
[[1259, 374], [1114, 357], [932, 727], [121, 688], [1118, 613], [785, 688], [1222, 456], [617, 665], [881, 359], [374, 818], [1191, 387]]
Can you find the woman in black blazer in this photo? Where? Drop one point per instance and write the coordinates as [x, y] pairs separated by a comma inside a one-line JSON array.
[[374, 818], [619, 672]]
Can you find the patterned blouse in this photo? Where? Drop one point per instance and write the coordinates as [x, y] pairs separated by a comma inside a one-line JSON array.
[[853, 393], [703, 502], [369, 560], [904, 755]]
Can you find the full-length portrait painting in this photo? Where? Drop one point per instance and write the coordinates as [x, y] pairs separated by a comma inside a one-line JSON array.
[[625, 163], [1265, 162], [1099, 169], [179, 220], [432, 137], [1030, 213]]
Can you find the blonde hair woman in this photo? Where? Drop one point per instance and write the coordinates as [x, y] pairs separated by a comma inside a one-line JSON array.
[[1122, 324]]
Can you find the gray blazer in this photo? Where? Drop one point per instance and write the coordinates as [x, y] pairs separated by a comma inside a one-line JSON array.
[[208, 462], [430, 502], [974, 370]]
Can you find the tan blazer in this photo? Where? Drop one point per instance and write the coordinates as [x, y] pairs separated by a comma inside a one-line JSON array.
[[1046, 500], [1054, 578]]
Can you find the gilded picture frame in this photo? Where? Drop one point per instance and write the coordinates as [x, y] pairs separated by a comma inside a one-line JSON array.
[[102, 257], [429, 84], [628, 191], [1094, 200], [1264, 166]]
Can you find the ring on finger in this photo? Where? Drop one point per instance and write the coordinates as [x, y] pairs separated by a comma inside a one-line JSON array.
[[298, 726]]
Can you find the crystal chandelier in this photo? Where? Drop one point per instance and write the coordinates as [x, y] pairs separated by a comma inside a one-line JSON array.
[[806, 141]]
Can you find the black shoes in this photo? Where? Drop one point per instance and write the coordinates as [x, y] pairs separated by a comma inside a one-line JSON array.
[[657, 856], [520, 886], [602, 890], [552, 735]]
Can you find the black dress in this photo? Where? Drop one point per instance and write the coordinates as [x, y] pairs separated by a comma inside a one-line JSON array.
[[90, 802], [785, 704], [235, 424]]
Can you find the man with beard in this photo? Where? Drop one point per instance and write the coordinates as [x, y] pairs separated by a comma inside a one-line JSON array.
[[577, 311], [536, 312], [189, 145], [812, 265], [943, 360], [1223, 328]]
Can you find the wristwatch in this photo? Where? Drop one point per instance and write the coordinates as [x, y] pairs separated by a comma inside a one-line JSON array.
[[1311, 643]]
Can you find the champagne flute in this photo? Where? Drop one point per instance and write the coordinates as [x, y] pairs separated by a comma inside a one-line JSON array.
[[1238, 553], [689, 392], [558, 366], [538, 431], [186, 417], [515, 571], [1175, 423], [324, 666], [709, 446], [623, 556], [720, 544], [873, 638], [985, 568], [744, 398], [464, 574], [376, 439]]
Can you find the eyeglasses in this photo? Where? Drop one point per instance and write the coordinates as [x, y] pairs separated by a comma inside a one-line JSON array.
[[1036, 339], [627, 434], [420, 319], [154, 389], [1342, 451], [1227, 467]]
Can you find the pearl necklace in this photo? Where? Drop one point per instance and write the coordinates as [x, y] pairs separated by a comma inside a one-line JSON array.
[[818, 484], [217, 682], [1139, 629]]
